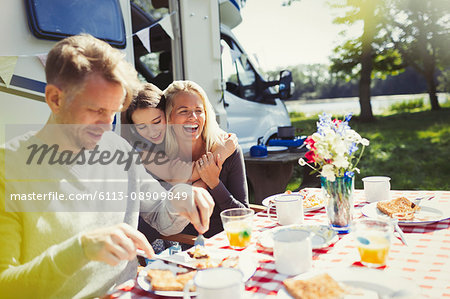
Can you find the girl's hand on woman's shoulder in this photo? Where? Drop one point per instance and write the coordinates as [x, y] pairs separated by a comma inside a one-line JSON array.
[[230, 143]]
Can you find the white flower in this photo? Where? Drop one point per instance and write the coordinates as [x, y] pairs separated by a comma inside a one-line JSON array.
[[340, 162], [340, 147], [328, 173], [365, 142], [302, 162]]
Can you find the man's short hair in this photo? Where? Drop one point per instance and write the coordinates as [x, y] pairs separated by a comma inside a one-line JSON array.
[[72, 59]]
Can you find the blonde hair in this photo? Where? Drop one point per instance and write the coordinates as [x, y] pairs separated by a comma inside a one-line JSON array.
[[72, 59], [211, 131]]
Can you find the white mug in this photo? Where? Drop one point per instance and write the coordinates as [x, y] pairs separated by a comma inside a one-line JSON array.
[[289, 209], [376, 188], [217, 283], [292, 251]]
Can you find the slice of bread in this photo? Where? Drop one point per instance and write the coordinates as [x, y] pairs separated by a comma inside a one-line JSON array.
[[400, 208], [320, 286], [164, 280]]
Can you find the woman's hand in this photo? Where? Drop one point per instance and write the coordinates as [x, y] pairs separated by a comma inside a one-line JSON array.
[[209, 169]]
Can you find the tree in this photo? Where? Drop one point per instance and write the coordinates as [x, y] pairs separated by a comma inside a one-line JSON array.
[[420, 30], [362, 56]]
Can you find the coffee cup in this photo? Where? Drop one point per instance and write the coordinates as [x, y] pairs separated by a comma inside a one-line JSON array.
[[217, 283], [377, 188], [289, 209], [292, 251]]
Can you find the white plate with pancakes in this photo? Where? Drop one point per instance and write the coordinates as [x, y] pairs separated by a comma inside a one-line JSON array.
[[427, 214], [244, 262], [362, 283]]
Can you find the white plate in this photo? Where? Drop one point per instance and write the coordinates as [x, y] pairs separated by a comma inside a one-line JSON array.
[[322, 235], [372, 283], [247, 264], [276, 149], [427, 214], [145, 284], [266, 201]]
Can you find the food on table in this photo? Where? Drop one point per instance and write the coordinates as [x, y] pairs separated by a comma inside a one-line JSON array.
[[184, 278], [199, 252], [312, 201], [400, 208], [309, 200], [165, 280], [238, 233], [320, 286], [230, 262], [373, 248], [206, 260]]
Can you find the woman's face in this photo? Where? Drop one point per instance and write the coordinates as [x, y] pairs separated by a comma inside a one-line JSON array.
[[189, 113], [150, 123]]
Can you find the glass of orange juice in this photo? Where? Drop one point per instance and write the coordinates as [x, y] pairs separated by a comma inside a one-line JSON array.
[[238, 226], [373, 238]]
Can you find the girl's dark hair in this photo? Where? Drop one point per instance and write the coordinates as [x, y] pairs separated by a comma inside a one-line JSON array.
[[149, 96]]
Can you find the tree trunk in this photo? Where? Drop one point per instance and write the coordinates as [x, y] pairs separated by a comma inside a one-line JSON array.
[[364, 88], [366, 66], [431, 87]]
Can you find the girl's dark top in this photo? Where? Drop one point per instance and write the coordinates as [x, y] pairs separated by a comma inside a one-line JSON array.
[[230, 193]]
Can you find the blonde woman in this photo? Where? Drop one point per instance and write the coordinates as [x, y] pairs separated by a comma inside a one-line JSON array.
[[145, 129], [192, 135]]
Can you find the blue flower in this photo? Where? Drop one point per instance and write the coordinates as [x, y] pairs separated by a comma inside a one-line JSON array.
[[353, 148], [348, 117], [349, 174]]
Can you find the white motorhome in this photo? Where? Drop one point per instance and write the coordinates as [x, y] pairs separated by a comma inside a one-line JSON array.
[[202, 49]]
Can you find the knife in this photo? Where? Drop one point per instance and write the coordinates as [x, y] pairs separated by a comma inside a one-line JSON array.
[[400, 232], [165, 259]]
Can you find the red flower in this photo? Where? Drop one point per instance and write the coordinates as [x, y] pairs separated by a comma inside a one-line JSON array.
[[309, 141], [310, 156]]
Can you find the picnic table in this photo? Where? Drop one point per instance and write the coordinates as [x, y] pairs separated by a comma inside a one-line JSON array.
[[425, 261]]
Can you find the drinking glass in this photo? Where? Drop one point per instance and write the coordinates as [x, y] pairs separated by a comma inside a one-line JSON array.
[[373, 237], [238, 226]]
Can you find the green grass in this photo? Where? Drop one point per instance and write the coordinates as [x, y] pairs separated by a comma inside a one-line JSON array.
[[412, 148]]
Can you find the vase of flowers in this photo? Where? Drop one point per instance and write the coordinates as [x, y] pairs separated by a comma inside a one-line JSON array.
[[334, 152]]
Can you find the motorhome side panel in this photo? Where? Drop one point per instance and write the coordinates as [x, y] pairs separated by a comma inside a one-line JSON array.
[[23, 101]]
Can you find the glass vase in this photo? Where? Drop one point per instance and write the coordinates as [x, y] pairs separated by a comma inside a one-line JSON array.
[[339, 202]]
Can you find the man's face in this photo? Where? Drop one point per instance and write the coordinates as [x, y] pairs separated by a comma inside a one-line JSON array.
[[91, 111]]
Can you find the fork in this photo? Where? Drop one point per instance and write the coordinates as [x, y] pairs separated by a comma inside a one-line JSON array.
[[419, 200], [200, 240]]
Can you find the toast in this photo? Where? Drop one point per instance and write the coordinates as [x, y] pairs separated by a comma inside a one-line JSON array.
[[320, 286], [400, 208], [165, 280]]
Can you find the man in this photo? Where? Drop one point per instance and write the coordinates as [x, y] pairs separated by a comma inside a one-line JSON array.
[[73, 254]]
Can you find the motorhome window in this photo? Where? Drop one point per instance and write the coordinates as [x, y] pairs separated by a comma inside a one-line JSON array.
[[154, 66], [55, 19], [237, 71], [229, 72]]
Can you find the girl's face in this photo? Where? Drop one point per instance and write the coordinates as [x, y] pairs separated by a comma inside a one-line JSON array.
[[150, 123], [189, 114]]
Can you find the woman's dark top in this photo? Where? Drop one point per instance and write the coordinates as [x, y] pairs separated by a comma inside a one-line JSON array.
[[230, 193]]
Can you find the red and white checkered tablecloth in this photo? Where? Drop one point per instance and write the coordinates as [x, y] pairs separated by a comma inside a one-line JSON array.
[[426, 260]]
